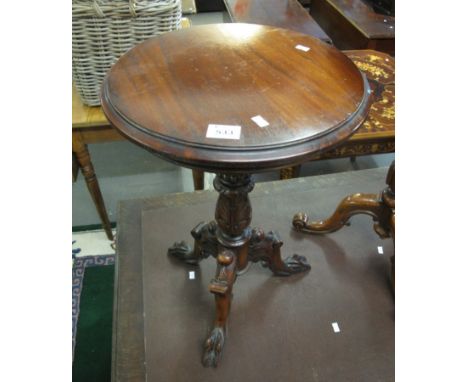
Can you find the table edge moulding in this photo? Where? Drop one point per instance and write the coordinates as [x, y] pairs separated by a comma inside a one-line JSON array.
[[255, 158]]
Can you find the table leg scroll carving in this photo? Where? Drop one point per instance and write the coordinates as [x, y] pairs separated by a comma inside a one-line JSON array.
[[205, 244], [380, 206], [369, 204], [234, 244], [267, 248]]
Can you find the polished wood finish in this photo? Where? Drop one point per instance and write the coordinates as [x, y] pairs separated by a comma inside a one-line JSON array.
[[288, 14], [377, 134], [381, 207], [279, 328], [312, 100], [164, 98], [233, 243], [353, 24]]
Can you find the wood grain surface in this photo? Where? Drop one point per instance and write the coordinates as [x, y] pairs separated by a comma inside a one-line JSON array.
[[164, 97]]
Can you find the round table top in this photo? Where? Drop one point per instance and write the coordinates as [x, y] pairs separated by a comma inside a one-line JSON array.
[[235, 97]]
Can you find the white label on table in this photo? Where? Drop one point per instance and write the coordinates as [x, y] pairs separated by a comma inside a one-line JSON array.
[[335, 326], [380, 250], [302, 47], [191, 275], [223, 131], [260, 121]]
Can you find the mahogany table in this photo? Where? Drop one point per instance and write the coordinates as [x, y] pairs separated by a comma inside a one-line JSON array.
[[235, 99]]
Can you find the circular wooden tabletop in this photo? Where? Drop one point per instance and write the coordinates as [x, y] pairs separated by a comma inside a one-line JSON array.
[[235, 97]]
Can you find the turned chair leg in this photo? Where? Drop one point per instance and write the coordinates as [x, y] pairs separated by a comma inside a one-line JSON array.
[[84, 161]]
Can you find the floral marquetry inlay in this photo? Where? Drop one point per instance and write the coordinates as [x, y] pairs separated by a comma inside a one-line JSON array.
[[373, 69], [379, 69]]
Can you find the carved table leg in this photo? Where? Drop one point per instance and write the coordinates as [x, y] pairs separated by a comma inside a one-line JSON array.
[[221, 287], [369, 204], [206, 244], [84, 161], [234, 244], [267, 248], [381, 207]]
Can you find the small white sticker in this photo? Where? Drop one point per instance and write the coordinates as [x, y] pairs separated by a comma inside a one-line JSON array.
[[335, 326], [223, 131], [380, 250], [302, 47], [191, 275], [260, 121]]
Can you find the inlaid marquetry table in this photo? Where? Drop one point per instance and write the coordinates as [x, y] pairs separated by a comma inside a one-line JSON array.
[[235, 99]]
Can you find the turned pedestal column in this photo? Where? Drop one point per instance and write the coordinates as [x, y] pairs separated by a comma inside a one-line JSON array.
[[233, 243]]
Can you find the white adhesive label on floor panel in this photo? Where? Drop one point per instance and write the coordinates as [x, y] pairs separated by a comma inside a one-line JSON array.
[[223, 131], [302, 47], [191, 275], [380, 250], [335, 326], [260, 121]]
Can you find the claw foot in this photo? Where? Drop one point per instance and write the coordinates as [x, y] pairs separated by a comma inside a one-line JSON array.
[[182, 251], [294, 264], [213, 348]]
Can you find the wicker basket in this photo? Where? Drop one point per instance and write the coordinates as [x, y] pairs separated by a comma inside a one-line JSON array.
[[103, 30]]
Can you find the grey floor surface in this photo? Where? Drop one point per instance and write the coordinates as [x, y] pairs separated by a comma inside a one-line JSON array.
[[126, 171]]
